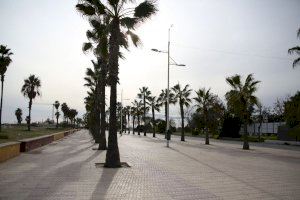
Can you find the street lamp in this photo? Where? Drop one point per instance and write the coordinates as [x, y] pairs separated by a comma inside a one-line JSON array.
[[168, 95]]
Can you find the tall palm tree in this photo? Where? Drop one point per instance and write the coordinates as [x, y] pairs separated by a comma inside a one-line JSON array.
[[122, 19], [31, 89], [57, 114], [133, 115], [295, 50], [155, 105], [144, 95], [138, 111], [95, 80], [127, 112], [65, 109], [19, 114], [162, 99], [98, 43], [241, 99], [5, 60], [183, 97], [204, 102], [56, 105]]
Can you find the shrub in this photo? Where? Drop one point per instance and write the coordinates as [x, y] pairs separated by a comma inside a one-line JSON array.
[[231, 127], [3, 136]]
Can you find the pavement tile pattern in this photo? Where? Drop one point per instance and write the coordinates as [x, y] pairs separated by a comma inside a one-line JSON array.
[[66, 169]]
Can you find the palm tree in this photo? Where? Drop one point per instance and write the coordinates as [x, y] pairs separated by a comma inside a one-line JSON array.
[[205, 101], [5, 60], [19, 114], [155, 105], [183, 97], [295, 50], [31, 89], [57, 114], [96, 85], [138, 111], [127, 112], [65, 109], [56, 105], [98, 43], [121, 21], [241, 99], [133, 115], [144, 95], [162, 99], [72, 114]]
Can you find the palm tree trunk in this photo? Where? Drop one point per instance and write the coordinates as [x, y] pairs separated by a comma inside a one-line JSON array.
[[144, 116], [2, 81], [29, 116], [102, 143], [246, 143], [206, 129], [128, 116], [125, 123], [153, 121], [112, 155], [56, 122], [139, 125], [182, 122], [133, 119]]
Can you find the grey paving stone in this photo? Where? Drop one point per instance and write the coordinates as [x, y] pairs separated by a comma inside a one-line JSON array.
[[188, 170]]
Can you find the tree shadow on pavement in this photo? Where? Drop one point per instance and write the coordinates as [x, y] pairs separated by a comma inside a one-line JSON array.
[[104, 183]]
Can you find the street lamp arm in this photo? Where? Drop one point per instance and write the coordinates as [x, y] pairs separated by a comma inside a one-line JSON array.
[[159, 51]]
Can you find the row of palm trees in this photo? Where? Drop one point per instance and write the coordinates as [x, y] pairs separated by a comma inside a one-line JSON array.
[[112, 25], [240, 101], [30, 90]]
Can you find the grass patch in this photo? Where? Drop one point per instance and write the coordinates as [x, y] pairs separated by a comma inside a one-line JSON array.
[[15, 132]]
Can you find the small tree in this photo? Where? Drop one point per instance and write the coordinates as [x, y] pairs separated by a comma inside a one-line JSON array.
[[5, 60], [241, 99], [57, 114], [31, 89], [19, 114]]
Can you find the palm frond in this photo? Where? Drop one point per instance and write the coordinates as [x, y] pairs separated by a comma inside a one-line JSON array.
[[85, 9], [296, 62], [134, 38], [145, 9]]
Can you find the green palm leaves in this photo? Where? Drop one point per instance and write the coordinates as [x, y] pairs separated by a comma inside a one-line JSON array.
[[205, 101], [144, 95], [19, 114], [295, 50], [5, 59], [31, 89], [241, 99], [120, 19], [182, 95]]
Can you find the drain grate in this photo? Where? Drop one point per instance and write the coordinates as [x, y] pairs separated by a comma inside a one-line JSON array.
[[123, 164]]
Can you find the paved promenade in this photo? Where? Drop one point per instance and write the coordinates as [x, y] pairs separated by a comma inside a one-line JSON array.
[[188, 170]]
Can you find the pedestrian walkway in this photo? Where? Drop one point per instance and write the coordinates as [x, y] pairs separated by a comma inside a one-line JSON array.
[[187, 170]]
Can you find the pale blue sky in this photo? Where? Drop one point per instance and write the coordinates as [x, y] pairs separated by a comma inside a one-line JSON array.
[[214, 38]]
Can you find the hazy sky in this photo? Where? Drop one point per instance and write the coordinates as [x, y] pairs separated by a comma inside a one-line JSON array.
[[214, 38]]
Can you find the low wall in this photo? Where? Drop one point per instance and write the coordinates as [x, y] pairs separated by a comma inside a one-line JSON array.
[[9, 150], [58, 136], [33, 143]]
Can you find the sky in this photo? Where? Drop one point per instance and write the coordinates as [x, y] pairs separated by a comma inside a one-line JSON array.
[[215, 39]]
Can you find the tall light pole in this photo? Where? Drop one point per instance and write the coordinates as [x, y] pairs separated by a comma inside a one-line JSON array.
[[168, 82]]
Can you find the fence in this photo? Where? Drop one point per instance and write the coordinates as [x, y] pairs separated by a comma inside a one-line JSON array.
[[271, 127]]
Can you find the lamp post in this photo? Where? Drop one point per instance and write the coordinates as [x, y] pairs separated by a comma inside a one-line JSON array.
[[168, 81]]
